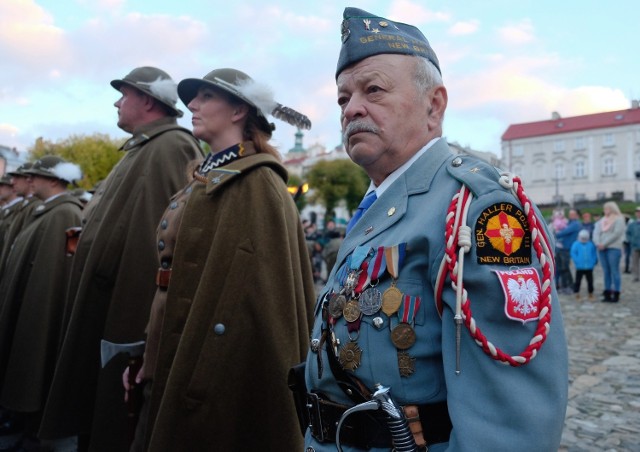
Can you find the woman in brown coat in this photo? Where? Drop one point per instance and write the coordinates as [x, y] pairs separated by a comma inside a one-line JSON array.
[[233, 306]]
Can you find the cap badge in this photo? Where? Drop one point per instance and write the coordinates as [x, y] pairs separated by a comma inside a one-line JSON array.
[[345, 31], [367, 24]]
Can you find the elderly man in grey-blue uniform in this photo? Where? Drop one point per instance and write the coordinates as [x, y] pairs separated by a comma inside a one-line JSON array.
[[439, 325]]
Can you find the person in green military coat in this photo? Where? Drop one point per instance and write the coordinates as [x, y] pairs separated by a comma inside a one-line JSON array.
[[233, 307], [32, 293], [113, 270]]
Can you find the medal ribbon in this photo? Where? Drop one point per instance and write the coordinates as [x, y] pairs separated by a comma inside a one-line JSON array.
[[408, 309], [378, 264], [394, 256]]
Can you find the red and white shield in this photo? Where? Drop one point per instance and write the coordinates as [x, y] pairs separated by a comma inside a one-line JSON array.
[[522, 293]]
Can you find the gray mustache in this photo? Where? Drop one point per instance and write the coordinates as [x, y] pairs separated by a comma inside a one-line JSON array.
[[358, 126]]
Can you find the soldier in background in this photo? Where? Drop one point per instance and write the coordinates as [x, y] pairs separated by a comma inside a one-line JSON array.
[[23, 216], [113, 272], [10, 205], [32, 295]]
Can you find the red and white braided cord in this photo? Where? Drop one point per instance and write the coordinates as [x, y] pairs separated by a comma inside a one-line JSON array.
[[457, 234]]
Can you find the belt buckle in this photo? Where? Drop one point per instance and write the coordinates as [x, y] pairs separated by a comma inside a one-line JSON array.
[[313, 405]]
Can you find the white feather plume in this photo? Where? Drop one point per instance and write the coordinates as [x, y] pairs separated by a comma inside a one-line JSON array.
[[165, 89], [261, 95], [67, 171]]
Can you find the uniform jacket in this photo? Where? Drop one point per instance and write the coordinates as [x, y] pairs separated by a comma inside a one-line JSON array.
[[237, 316], [32, 303], [492, 406], [112, 281]]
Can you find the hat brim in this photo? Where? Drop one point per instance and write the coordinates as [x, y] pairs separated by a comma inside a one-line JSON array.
[[189, 87], [117, 84]]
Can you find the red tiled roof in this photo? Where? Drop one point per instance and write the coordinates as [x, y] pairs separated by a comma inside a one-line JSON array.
[[573, 124]]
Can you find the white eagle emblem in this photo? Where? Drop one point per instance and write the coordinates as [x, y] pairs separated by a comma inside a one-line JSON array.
[[524, 293]]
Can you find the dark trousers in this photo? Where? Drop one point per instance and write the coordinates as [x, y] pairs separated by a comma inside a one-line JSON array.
[[579, 274], [563, 269]]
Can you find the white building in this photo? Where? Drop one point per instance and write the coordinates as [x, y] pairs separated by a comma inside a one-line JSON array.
[[580, 158]]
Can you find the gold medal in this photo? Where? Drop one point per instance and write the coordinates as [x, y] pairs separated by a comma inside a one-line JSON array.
[[391, 300], [336, 305], [406, 364], [350, 356], [351, 311], [403, 336]]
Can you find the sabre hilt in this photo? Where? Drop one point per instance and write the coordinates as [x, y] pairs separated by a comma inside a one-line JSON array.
[[401, 436]]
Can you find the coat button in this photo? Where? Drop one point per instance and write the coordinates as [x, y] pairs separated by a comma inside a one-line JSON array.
[[456, 162], [164, 224], [219, 329], [173, 205], [161, 245]]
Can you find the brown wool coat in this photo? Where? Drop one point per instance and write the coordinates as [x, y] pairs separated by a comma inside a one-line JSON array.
[[21, 220], [112, 283], [237, 317], [32, 303]]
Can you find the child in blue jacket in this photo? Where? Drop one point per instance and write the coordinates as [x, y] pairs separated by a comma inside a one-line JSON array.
[[585, 257]]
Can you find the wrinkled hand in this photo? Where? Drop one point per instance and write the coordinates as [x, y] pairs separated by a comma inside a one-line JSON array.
[[125, 381]]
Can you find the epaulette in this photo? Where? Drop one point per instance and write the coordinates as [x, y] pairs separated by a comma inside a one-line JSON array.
[[479, 177]]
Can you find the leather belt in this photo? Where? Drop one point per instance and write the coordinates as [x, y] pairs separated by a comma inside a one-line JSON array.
[[163, 277], [365, 430]]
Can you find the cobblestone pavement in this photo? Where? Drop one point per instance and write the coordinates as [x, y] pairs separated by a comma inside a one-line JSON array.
[[604, 370]]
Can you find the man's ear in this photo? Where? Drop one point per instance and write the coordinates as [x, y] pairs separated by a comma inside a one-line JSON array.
[[438, 102]]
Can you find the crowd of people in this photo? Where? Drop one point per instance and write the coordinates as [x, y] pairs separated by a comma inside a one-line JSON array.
[[583, 241], [179, 309]]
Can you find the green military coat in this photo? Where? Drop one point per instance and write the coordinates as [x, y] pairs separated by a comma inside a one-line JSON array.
[[237, 316], [113, 282], [32, 296]]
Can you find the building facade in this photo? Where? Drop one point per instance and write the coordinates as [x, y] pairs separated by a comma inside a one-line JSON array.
[[577, 159]]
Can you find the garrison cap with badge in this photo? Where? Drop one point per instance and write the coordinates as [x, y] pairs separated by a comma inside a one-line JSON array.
[[245, 88], [365, 34], [54, 167], [391, 316], [155, 83]]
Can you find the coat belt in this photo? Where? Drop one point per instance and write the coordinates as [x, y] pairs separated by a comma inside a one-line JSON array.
[[163, 277]]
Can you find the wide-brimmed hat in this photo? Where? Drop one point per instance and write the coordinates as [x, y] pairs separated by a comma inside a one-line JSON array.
[[153, 82], [240, 85], [365, 34], [55, 167], [20, 171]]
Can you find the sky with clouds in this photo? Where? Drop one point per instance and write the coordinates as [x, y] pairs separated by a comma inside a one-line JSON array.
[[503, 62]]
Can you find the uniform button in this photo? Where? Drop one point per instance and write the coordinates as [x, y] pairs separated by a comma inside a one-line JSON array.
[[161, 245], [309, 449], [173, 205], [456, 161], [164, 264], [219, 329], [164, 224], [188, 190]]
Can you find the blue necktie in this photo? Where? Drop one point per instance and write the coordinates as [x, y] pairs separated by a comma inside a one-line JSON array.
[[362, 208]]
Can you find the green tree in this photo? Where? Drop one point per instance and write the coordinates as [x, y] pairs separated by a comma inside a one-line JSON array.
[[96, 154], [336, 180]]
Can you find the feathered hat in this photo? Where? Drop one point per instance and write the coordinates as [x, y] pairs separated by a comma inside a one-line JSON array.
[[240, 85], [54, 167], [153, 82]]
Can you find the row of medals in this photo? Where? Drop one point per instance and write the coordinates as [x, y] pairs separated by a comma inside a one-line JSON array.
[[348, 304]]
